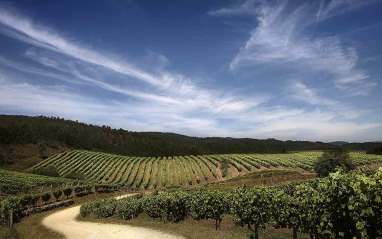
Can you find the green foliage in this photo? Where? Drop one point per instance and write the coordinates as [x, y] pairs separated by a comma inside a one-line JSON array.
[[250, 206], [10, 204], [376, 151], [57, 194], [50, 171], [209, 205], [87, 208], [224, 167], [331, 160], [129, 208], [106, 208], [169, 206], [34, 199], [67, 192], [341, 206], [82, 189], [5, 156], [46, 197], [130, 172], [75, 175], [26, 200], [15, 182], [24, 129], [41, 147]]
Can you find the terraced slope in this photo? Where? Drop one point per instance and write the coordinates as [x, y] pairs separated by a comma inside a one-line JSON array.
[[151, 172]]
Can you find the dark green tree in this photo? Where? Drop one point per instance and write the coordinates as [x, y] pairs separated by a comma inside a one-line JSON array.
[[50, 170], [46, 197], [41, 146], [331, 160], [75, 175], [377, 150], [67, 192], [57, 194]]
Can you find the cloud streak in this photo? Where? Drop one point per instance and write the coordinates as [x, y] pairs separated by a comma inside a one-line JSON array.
[[283, 37]]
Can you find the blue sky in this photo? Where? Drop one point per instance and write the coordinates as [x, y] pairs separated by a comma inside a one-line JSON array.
[[305, 70]]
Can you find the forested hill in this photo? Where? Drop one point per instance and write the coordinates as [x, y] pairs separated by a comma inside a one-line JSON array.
[[25, 129]]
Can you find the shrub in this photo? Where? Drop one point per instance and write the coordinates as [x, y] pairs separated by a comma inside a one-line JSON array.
[[57, 194], [224, 166], [46, 197], [106, 208], [75, 175], [79, 190], [377, 151], [34, 199], [50, 171], [41, 146], [26, 200], [331, 160], [128, 208], [86, 209], [67, 192], [11, 203]]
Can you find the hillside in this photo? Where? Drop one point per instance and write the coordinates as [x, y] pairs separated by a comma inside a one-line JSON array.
[[162, 172], [68, 133]]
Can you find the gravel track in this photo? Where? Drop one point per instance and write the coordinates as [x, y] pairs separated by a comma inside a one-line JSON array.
[[65, 223]]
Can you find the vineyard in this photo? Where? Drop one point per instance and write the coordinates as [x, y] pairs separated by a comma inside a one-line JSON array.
[[339, 206], [161, 172], [14, 182]]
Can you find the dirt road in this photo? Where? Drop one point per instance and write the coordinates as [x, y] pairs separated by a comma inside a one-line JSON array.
[[65, 223]]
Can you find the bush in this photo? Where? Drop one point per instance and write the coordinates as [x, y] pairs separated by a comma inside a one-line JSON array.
[[35, 198], [106, 208], [377, 151], [14, 204], [224, 165], [67, 192], [128, 208], [46, 197], [86, 209], [57, 194], [331, 160], [41, 146], [75, 175], [50, 171], [26, 200]]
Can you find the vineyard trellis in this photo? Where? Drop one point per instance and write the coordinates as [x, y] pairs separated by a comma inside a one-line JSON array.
[[132, 172]]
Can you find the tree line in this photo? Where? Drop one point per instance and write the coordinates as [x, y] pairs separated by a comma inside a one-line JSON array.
[[16, 129]]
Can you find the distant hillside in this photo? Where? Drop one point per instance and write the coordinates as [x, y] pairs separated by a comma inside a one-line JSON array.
[[339, 143], [72, 134]]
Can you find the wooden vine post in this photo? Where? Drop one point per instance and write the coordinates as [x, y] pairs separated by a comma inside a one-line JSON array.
[[10, 218]]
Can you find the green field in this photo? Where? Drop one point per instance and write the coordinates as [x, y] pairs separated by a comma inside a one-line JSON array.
[[160, 172]]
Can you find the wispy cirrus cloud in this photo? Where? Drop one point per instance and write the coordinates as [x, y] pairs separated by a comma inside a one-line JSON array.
[[283, 36], [169, 87], [301, 92], [328, 9]]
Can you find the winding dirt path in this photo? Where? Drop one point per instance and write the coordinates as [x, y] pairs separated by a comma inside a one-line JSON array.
[[65, 223]]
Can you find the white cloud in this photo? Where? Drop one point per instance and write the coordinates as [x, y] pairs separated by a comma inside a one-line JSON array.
[[328, 9], [243, 8], [301, 92], [282, 37], [23, 29], [168, 86]]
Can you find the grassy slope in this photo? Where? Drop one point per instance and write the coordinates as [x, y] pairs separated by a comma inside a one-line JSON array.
[[26, 155]]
